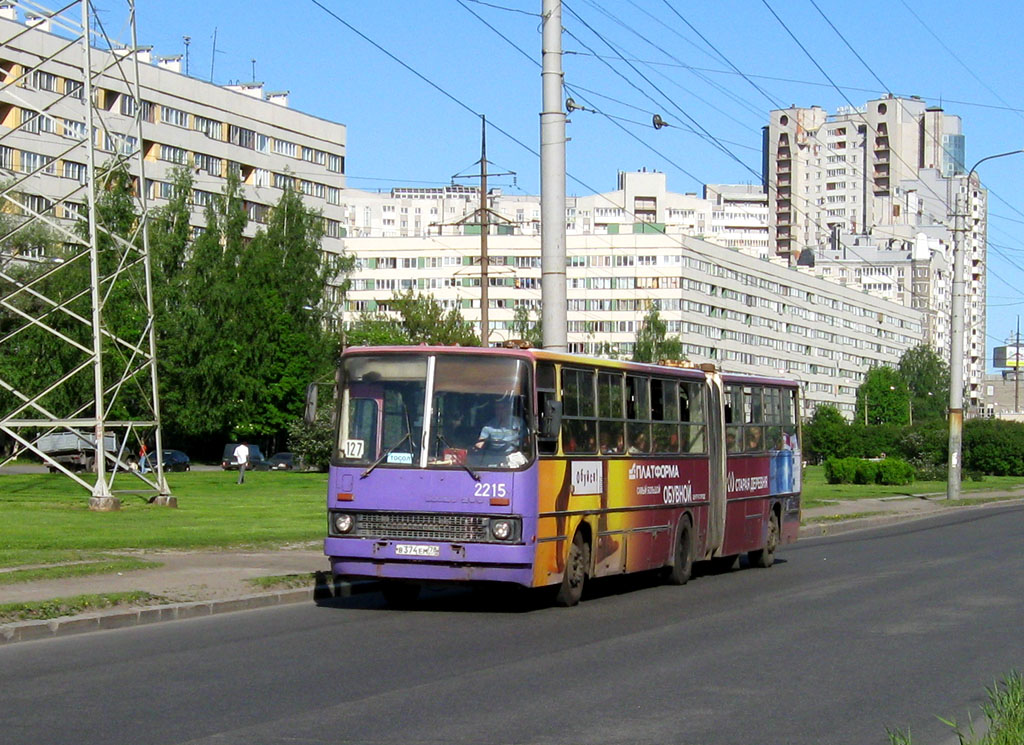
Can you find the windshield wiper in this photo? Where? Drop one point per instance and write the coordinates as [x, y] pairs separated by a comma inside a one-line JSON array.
[[470, 471], [386, 453]]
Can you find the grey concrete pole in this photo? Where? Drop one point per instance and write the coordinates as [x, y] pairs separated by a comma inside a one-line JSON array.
[[956, 349], [552, 182]]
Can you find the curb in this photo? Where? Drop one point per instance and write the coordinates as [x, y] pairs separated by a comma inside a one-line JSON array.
[[823, 529], [24, 631]]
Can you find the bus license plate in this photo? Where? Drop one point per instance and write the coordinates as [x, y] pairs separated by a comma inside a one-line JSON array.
[[405, 549]]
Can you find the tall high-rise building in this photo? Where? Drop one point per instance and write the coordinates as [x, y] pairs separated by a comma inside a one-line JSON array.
[[884, 175]]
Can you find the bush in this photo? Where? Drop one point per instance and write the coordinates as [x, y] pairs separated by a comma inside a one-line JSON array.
[[895, 471], [840, 470], [865, 472], [994, 446]]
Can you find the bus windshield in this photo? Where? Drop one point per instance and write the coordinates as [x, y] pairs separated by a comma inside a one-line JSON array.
[[477, 415]]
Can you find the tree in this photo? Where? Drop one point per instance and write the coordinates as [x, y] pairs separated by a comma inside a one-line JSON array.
[[652, 342], [527, 329], [883, 398], [826, 434], [927, 377], [417, 319], [242, 337]]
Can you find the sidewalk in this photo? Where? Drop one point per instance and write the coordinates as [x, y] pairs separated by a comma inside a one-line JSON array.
[[198, 583]]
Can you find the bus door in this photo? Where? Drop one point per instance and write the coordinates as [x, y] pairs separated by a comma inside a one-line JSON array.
[[716, 463]]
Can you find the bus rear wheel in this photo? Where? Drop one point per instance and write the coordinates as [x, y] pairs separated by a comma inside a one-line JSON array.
[[765, 557], [576, 563], [682, 559]]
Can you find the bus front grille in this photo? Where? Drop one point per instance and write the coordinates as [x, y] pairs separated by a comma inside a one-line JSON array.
[[422, 526]]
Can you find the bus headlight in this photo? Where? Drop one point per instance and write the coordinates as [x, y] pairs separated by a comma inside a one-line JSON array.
[[503, 530], [343, 522]]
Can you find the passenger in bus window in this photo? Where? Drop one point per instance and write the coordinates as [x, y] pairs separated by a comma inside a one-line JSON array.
[[732, 441], [638, 442], [754, 439]]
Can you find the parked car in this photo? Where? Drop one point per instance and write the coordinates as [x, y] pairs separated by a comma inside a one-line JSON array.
[[283, 462], [174, 460], [256, 460]]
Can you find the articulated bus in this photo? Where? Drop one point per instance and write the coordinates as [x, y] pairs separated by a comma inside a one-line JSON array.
[[523, 466]]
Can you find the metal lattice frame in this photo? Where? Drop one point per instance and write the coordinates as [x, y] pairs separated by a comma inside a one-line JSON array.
[[121, 361]]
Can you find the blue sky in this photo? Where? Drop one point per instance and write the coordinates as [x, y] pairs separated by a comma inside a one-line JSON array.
[[484, 58]]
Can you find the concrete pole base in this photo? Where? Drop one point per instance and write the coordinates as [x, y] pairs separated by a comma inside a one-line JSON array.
[[165, 501], [104, 504]]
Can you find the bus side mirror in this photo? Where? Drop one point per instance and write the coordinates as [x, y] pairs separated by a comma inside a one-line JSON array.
[[309, 416], [551, 424]]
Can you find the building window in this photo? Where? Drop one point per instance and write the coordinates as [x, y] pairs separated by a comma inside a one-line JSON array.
[[173, 154], [242, 137], [283, 147], [335, 163], [76, 171], [128, 105], [177, 117], [44, 81], [283, 181], [209, 127]]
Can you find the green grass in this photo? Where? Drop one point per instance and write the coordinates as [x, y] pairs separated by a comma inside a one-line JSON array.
[[47, 609], [1004, 712], [46, 517], [63, 571], [817, 492]]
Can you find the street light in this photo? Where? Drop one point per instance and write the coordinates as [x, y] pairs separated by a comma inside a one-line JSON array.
[[956, 351]]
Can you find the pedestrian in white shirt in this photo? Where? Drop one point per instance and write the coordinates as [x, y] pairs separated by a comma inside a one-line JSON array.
[[242, 459]]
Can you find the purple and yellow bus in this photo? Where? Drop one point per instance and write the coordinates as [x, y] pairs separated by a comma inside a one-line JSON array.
[[523, 466]]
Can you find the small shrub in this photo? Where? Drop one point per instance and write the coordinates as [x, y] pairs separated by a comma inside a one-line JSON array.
[[929, 471], [976, 475], [865, 472], [895, 471], [840, 470]]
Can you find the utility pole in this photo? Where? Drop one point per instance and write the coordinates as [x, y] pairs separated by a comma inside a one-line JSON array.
[[956, 355], [485, 227], [484, 212], [552, 181], [1016, 370]]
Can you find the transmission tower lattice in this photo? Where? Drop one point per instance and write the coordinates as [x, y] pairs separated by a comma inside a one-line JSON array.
[[77, 340]]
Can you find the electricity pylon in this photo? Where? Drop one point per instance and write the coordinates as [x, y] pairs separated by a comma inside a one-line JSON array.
[[72, 97]]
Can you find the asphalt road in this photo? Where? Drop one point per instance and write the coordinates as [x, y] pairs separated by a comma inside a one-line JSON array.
[[844, 637]]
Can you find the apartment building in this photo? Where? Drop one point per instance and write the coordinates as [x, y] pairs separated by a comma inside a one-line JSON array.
[[742, 313], [731, 215], [185, 122], [885, 173]]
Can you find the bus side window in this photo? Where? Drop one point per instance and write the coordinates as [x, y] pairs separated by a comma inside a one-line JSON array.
[[691, 404], [638, 414], [665, 415], [610, 413], [579, 414], [546, 390]]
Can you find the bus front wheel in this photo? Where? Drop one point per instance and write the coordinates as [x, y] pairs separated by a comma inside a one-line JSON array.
[[682, 560], [765, 557], [576, 563]]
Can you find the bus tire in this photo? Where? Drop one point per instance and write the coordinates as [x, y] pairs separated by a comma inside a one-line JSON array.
[[765, 557], [678, 573], [575, 575], [400, 594]]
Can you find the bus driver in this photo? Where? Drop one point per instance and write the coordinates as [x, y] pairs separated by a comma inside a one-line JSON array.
[[501, 439]]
